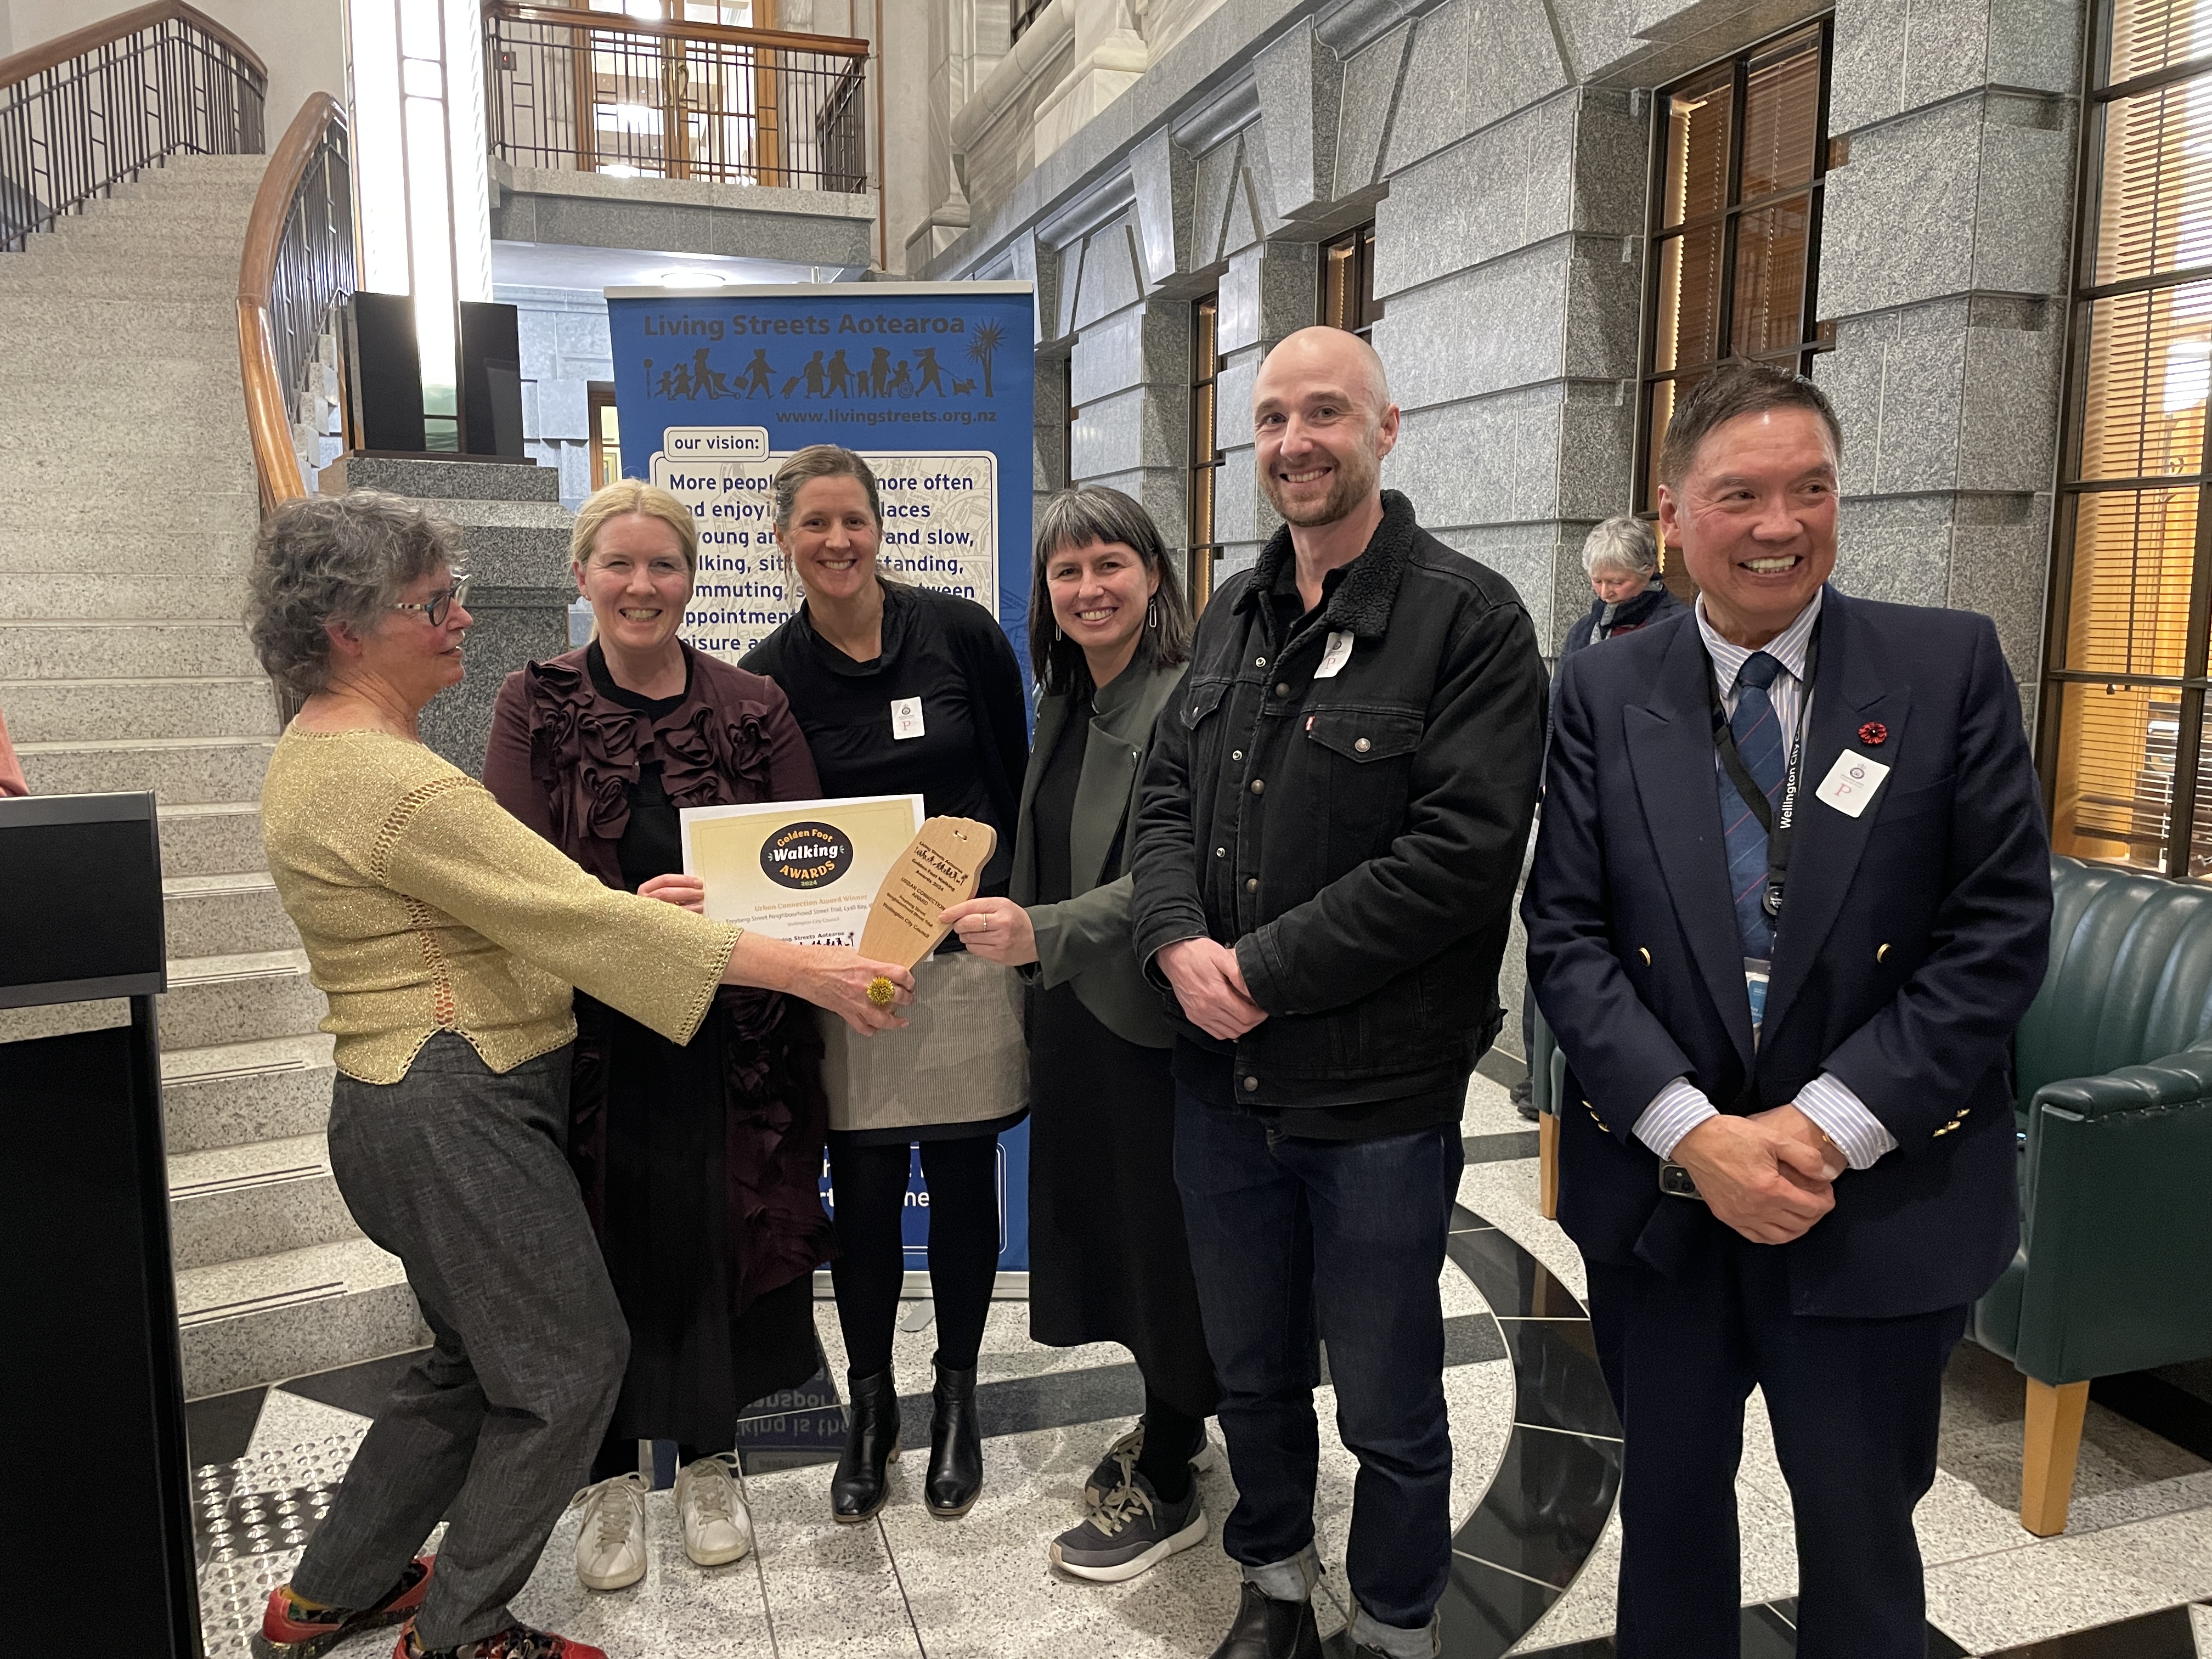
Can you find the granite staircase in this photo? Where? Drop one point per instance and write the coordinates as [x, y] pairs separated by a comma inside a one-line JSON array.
[[128, 508]]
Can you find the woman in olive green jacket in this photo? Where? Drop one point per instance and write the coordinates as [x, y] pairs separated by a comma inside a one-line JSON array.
[[1109, 1262]]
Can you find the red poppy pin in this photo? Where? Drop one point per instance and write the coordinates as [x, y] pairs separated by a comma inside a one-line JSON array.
[[1873, 734]]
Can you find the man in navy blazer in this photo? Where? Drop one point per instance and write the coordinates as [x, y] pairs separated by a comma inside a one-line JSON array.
[[1791, 896]]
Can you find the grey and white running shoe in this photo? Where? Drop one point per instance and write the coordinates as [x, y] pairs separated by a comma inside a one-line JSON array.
[[1113, 1469], [1132, 1530]]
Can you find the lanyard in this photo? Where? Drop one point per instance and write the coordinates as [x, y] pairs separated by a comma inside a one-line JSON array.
[[1779, 824]]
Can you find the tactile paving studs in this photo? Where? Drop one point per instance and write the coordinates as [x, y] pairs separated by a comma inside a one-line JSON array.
[[250, 1519]]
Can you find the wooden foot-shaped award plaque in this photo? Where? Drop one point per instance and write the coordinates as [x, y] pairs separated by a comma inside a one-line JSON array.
[[940, 867]]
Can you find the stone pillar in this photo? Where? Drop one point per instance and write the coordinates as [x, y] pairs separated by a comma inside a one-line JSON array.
[[1948, 339], [1510, 268], [1109, 56], [514, 542], [1267, 292]]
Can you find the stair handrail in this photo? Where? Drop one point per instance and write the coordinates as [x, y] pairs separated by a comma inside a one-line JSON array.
[[75, 122], [298, 264]]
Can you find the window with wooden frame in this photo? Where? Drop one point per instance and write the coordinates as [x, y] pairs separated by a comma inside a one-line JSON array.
[[1739, 155], [606, 434], [1205, 458], [2122, 727], [1348, 281]]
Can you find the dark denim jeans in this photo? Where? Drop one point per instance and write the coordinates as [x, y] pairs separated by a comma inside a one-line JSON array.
[[1285, 1230]]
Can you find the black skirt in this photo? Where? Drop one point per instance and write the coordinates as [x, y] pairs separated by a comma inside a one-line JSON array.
[[1108, 1260], [694, 1366]]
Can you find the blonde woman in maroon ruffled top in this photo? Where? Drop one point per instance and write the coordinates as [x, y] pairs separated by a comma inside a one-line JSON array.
[[699, 1164]]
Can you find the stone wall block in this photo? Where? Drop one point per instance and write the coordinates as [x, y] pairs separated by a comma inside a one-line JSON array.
[[1507, 187], [1597, 450], [1893, 56], [1147, 344], [1130, 430], [1521, 553], [1232, 402], [1460, 465], [1300, 81], [1570, 588], [1436, 351], [563, 410], [1363, 120], [1268, 291], [1600, 34], [1162, 173], [1109, 279], [1896, 549], [2000, 567], [1605, 309], [2023, 210], [2036, 43], [1612, 163], [1039, 263], [582, 334], [1216, 174], [1851, 375], [2008, 418], [1241, 514], [1436, 93], [1921, 171]]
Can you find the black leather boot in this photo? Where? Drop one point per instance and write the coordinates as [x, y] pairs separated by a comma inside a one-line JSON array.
[[1266, 1628], [859, 1488], [956, 1445]]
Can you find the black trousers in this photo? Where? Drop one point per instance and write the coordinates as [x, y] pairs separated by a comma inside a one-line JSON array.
[[1855, 1404]]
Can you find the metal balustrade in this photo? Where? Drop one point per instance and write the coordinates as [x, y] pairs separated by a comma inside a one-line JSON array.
[[581, 91], [95, 107]]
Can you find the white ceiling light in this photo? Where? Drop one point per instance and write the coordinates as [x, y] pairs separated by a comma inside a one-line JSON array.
[[692, 279]]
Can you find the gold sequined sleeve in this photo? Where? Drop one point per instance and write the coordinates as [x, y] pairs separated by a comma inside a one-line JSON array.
[[449, 844]]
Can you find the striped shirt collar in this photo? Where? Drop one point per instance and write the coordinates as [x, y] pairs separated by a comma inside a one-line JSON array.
[[1788, 647]]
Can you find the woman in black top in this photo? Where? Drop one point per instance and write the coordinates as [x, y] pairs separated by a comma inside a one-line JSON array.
[[901, 690]]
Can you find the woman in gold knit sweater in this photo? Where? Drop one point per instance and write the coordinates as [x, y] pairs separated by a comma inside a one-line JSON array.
[[447, 938]]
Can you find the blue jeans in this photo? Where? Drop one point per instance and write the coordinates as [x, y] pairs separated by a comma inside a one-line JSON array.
[[1286, 1231]]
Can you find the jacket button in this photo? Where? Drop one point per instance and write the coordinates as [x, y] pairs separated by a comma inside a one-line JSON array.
[[1282, 687], [1251, 1084], [1236, 754], [1258, 786], [1882, 953], [1645, 954], [1360, 745], [1259, 662], [1221, 851], [1251, 884]]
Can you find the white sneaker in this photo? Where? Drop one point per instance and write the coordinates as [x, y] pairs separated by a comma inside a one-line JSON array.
[[718, 1529], [611, 1544]]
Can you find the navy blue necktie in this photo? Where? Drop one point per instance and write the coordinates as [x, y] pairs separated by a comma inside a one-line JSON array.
[[1759, 742]]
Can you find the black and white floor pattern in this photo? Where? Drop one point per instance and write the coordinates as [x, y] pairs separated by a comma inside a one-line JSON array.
[[1537, 1464]]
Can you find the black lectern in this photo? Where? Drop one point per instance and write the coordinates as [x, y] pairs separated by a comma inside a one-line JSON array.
[[95, 1379]]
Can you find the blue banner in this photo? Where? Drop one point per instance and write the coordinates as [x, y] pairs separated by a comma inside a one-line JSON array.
[[934, 383]]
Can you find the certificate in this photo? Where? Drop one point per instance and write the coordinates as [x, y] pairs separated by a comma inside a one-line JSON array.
[[804, 871]]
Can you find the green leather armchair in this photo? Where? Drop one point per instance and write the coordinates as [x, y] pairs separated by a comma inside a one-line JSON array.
[[2114, 1093]]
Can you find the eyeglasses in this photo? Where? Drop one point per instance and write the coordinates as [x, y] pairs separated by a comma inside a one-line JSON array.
[[436, 608]]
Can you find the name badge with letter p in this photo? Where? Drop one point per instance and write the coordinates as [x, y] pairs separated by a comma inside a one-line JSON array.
[[906, 718], [1851, 783]]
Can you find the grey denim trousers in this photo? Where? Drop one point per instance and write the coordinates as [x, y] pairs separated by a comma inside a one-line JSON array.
[[461, 1174]]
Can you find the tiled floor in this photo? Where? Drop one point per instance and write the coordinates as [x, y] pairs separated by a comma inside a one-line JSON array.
[[1535, 1469]]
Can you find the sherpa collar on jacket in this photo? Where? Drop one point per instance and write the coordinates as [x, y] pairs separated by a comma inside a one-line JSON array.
[[1361, 603]]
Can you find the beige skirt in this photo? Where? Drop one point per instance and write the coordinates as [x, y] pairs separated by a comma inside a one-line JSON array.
[[960, 1059]]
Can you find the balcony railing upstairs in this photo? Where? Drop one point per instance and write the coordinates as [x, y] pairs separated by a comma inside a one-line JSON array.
[[582, 91], [298, 267], [93, 108]]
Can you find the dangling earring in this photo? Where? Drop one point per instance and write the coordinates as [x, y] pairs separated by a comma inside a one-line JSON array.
[[1056, 634], [1152, 614]]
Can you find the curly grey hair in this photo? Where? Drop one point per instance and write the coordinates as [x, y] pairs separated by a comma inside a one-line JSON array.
[[1621, 544], [334, 559]]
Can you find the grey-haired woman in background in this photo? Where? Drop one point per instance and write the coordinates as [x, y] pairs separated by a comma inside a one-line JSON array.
[[1621, 559], [1109, 637]]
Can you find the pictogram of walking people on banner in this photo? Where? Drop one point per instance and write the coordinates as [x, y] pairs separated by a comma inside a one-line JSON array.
[[832, 375]]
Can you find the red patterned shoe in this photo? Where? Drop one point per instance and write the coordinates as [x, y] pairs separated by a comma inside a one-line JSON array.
[[290, 1631], [515, 1642]]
